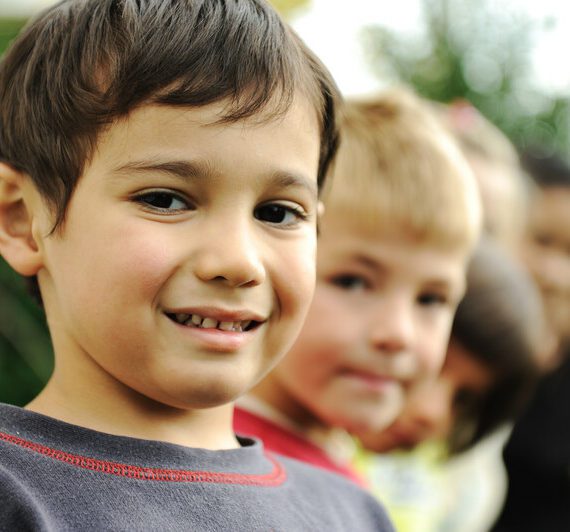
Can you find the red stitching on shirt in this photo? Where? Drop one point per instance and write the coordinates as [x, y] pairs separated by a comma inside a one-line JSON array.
[[276, 477]]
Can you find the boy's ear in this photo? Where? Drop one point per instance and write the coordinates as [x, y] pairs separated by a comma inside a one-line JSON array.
[[320, 214], [17, 243]]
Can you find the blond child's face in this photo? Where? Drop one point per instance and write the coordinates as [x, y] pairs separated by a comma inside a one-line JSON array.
[[186, 263], [379, 322]]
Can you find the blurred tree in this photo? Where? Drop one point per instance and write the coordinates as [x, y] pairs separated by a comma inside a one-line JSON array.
[[25, 351], [479, 50]]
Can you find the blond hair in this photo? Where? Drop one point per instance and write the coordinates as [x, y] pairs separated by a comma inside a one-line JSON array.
[[398, 170]]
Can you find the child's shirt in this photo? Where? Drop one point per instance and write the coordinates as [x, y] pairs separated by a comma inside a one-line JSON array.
[[411, 485], [279, 438], [57, 476], [423, 491]]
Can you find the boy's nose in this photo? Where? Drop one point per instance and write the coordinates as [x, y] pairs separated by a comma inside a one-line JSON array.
[[230, 255]]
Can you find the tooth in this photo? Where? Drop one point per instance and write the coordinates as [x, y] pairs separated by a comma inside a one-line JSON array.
[[209, 323], [226, 325], [181, 318], [237, 326], [245, 324], [196, 320]]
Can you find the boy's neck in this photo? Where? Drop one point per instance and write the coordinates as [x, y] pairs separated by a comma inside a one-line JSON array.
[[137, 416]]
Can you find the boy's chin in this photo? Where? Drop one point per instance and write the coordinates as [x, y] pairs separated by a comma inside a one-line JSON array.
[[213, 396]]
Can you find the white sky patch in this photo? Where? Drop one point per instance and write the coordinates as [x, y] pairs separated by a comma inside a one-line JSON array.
[[332, 28]]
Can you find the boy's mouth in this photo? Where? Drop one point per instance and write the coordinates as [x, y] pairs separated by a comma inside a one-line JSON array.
[[195, 320]]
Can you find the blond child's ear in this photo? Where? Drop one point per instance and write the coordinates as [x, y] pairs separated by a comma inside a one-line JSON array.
[[17, 243]]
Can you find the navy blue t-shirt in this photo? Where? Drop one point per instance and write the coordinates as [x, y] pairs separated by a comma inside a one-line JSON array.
[[57, 476]]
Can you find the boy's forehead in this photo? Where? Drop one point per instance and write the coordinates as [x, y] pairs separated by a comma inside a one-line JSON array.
[[192, 142]]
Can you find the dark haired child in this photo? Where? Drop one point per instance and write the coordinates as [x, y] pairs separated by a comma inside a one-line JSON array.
[[464, 414], [537, 453], [159, 177]]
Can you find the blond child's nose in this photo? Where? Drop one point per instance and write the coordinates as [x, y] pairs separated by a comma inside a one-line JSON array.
[[392, 328]]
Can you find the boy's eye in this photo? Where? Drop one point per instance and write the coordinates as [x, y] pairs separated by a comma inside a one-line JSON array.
[[277, 214], [350, 282], [162, 200], [429, 299]]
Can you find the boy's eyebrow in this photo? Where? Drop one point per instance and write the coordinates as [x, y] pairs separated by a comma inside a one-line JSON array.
[[178, 168], [189, 170]]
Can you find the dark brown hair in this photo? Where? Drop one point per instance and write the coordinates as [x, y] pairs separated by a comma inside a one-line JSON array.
[[84, 63], [499, 322]]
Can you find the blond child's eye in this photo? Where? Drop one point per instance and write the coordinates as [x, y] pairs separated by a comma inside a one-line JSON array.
[[353, 283], [278, 214], [162, 200]]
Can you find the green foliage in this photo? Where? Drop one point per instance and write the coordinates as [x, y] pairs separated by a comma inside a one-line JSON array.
[[481, 51], [9, 28], [25, 352]]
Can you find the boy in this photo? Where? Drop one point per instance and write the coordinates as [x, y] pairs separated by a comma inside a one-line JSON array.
[[445, 473], [400, 222], [537, 453], [160, 167]]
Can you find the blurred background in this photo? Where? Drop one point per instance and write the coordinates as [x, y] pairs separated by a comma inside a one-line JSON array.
[[507, 57]]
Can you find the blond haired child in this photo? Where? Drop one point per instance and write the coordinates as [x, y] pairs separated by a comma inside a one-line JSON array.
[[401, 219]]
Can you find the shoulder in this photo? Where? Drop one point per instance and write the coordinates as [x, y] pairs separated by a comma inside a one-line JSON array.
[[20, 508], [343, 499]]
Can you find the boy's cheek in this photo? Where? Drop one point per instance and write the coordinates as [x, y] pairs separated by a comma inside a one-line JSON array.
[[293, 276]]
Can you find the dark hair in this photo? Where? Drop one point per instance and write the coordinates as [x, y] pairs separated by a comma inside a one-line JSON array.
[[85, 63], [546, 170], [499, 322]]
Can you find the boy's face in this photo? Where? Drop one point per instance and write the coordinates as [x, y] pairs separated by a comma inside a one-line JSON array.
[[547, 253], [380, 321], [186, 263]]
